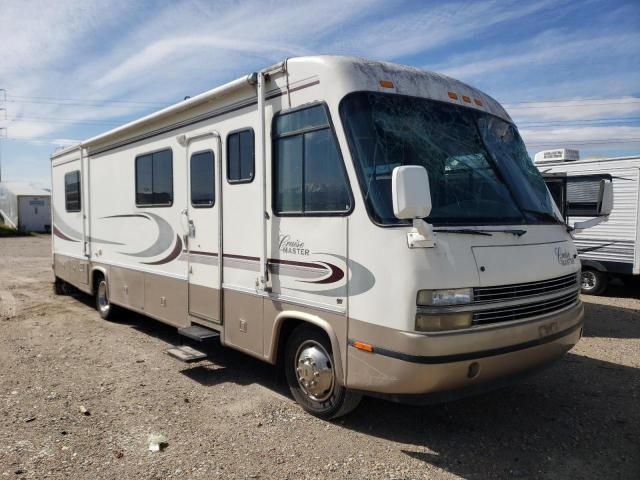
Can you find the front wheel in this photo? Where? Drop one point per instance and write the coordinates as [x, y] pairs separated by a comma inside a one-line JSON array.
[[311, 375], [594, 282]]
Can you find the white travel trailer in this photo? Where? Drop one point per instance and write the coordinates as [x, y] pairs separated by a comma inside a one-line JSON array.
[[610, 247], [373, 228], [25, 207]]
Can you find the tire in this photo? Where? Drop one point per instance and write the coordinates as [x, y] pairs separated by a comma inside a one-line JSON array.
[[60, 287], [594, 282], [308, 359], [104, 307]]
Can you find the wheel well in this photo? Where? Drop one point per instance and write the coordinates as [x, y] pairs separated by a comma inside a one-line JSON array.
[[96, 276], [286, 329]]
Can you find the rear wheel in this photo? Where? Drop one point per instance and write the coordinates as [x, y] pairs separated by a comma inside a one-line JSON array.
[[594, 282], [104, 307], [311, 375], [60, 287]]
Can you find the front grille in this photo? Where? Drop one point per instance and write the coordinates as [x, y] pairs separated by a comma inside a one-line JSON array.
[[523, 290], [517, 312]]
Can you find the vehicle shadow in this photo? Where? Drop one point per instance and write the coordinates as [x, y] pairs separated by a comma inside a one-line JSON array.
[[577, 419], [609, 321]]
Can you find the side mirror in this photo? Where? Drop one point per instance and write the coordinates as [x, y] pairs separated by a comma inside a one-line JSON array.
[[605, 198], [411, 193]]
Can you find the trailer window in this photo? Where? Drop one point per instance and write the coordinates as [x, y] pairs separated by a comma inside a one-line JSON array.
[[240, 156], [203, 192], [154, 179], [72, 191], [309, 176], [583, 193]]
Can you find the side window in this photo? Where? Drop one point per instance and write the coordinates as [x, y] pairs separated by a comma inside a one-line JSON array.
[[72, 191], [308, 174], [154, 179], [203, 191], [240, 156], [583, 193]]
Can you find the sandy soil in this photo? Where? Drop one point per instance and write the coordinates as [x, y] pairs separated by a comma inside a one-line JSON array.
[[231, 417]]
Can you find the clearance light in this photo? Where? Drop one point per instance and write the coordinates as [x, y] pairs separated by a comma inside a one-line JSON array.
[[386, 84], [363, 346], [477, 102], [453, 96], [466, 99], [437, 323]]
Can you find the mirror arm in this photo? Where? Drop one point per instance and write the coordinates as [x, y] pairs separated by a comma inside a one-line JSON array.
[[581, 226], [421, 235]]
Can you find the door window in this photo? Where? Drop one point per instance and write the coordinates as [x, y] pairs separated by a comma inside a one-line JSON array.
[[203, 179]]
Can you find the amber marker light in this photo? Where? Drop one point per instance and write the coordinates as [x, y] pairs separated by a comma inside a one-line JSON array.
[[386, 84], [466, 99], [453, 96], [477, 102], [363, 346]]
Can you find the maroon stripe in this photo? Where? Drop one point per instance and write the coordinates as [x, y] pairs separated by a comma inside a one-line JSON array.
[[204, 254], [177, 249], [277, 261], [58, 233], [337, 274]]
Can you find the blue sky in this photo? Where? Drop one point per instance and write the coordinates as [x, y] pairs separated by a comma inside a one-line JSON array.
[[567, 71]]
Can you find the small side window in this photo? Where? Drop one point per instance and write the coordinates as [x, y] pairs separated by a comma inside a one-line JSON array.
[[203, 190], [308, 173], [154, 179], [72, 191], [582, 195], [240, 156]]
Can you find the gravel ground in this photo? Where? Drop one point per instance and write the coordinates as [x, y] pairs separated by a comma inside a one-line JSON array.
[[231, 417]]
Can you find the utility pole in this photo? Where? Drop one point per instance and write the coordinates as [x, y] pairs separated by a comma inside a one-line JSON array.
[[3, 130], [3, 134]]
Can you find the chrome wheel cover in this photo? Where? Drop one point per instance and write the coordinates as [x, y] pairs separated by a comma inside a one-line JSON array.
[[314, 371], [589, 280], [103, 299]]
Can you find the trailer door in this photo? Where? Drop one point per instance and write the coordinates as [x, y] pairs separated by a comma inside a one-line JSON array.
[[202, 224]]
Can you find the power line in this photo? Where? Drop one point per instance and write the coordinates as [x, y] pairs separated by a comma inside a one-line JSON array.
[[89, 100], [567, 105], [63, 120]]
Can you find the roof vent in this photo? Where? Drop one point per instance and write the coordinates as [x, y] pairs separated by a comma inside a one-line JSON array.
[[557, 155]]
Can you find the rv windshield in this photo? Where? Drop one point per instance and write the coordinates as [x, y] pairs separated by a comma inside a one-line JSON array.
[[479, 170]]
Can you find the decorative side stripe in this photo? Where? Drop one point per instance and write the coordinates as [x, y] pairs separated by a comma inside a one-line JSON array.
[[177, 250], [58, 233]]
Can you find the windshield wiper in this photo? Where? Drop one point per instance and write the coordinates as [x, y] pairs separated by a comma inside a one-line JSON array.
[[465, 231], [543, 215], [489, 233]]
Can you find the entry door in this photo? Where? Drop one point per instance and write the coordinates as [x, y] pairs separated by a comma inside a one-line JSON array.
[[203, 228], [311, 202]]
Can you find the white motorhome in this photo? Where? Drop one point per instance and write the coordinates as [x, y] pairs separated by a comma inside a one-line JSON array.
[[24, 207], [609, 247], [373, 228]]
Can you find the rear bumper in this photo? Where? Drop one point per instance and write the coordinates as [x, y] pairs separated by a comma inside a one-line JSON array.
[[409, 364]]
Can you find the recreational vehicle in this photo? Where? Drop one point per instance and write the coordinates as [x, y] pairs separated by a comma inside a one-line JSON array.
[[606, 248], [24, 207], [372, 228]]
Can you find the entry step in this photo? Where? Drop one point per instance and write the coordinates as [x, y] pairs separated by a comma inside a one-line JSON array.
[[196, 332], [186, 353]]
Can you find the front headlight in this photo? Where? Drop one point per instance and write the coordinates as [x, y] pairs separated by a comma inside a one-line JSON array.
[[454, 296], [426, 322]]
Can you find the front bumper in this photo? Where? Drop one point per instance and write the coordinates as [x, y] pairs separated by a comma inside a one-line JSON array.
[[408, 363]]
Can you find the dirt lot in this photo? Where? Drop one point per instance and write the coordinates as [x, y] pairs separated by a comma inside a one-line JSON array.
[[229, 417]]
